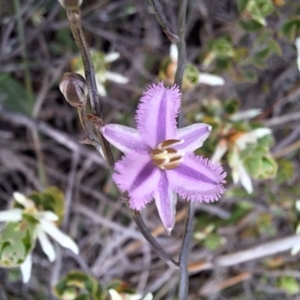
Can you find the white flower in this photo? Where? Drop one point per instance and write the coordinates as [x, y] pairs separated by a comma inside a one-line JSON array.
[[116, 296], [210, 79], [245, 115], [104, 75], [251, 137], [45, 226], [204, 78], [239, 172]]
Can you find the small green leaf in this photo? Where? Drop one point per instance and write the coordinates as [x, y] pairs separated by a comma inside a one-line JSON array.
[[250, 25], [289, 284], [262, 54], [285, 170], [14, 95], [51, 199], [291, 28], [17, 240], [231, 106], [249, 75], [84, 286], [222, 48], [242, 4], [190, 76], [213, 241]]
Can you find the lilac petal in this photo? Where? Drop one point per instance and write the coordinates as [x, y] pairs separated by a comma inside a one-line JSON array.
[[193, 137], [197, 179], [156, 114], [137, 175], [165, 200], [124, 138]]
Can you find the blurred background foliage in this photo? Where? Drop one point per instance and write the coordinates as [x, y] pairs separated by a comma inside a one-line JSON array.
[[251, 45]]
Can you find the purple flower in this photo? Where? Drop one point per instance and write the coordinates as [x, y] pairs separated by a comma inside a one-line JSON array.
[[159, 162]]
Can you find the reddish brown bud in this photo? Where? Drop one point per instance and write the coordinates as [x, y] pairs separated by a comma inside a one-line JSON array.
[[73, 87]]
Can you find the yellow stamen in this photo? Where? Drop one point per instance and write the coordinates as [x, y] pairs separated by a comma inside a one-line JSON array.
[[165, 157]]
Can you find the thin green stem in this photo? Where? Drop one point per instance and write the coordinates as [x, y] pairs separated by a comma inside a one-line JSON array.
[[27, 75], [181, 44], [29, 94], [185, 248], [76, 29]]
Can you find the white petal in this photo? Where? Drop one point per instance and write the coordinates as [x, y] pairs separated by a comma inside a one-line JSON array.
[[46, 245], [297, 204], [111, 57], [48, 215], [149, 296], [11, 215], [245, 179], [59, 236], [174, 52], [245, 115], [297, 43], [295, 250], [252, 137], [115, 77], [20, 198], [101, 88], [210, 79], [220, 151], [133, 297], [234, 162], [114, 295], [26, 268]]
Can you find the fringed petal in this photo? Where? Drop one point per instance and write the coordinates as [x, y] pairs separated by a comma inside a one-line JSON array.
[[193, 137], [197, 179], [124, 138], [156, 114], [137, 175], [165, 200]]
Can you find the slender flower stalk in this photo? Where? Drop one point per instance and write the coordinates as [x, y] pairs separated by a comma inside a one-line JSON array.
[[103, 146], [159, 162]]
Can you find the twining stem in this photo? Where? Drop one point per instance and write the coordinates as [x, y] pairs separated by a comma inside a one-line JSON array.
[[76, 29], [185, 249], [183, 259], [181, 44], [163, 22]]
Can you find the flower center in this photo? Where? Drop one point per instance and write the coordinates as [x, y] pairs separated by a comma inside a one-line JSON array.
[[165, 157]]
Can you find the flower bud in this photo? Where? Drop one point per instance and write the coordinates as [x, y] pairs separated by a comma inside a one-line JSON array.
[[73, 87], [259, 163], [70, 4]]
